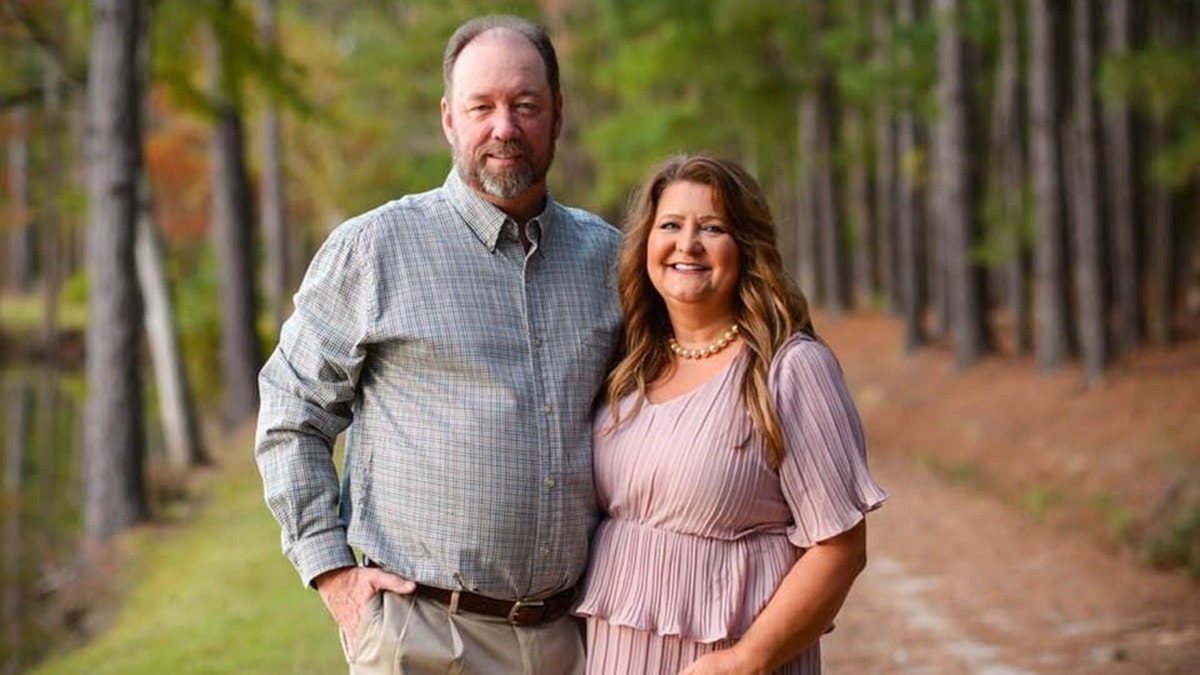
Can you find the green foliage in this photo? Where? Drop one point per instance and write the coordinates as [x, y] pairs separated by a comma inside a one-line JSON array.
[[214, 596], [195, 286], [1160, 81], [75, 289], [1118, 518], [1177, 544], [1006, 231], [178, 36], [1038, 500]]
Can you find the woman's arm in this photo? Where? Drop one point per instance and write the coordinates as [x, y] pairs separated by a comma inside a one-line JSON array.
[[799, 612]]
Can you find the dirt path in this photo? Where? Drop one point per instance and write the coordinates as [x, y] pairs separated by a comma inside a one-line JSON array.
[[961, 581]]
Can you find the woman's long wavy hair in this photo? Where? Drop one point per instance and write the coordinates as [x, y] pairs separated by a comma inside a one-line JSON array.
[[770, 308]]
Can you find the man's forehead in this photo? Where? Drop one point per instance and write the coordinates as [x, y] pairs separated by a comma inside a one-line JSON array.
[[516, 54]]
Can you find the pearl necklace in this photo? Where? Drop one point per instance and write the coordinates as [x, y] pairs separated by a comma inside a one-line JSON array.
[[704, 352]]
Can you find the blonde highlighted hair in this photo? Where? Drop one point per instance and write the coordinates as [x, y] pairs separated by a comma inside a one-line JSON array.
[[770, 308]]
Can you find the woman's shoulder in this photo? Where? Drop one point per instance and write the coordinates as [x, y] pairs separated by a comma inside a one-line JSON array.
[[803, 358]]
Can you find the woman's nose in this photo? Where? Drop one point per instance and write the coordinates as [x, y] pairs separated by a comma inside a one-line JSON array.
[[688, 242]]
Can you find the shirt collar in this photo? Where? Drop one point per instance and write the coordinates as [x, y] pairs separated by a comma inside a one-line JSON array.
[[484, 219]]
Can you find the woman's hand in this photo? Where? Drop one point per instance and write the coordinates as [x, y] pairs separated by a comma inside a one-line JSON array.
[[725, 662]]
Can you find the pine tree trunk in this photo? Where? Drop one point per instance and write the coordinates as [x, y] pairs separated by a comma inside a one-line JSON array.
[[808, 267], [859, 207], [20, 236], [234, 242], [181, 431], [51, 213], [1086, 197], [1120, 192], [114, 446], [909, 246], [834, 267], [954, 183], [1052, 344], [277, 275], [15, 422], [1160, 261], [885, 177], [1007, 178]]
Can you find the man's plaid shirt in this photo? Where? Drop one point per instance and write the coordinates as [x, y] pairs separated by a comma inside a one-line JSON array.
[[466, 371]]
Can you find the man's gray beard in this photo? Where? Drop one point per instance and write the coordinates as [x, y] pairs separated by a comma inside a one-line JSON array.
[[505, 184]]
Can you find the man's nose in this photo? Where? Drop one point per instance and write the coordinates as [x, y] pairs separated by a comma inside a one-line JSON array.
[[504, 125]]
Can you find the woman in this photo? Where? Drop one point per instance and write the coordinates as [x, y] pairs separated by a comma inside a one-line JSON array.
[[729, 458]]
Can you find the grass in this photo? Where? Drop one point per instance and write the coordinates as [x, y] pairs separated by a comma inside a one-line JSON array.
[[1038, 500], [214, 595], [24, 313]]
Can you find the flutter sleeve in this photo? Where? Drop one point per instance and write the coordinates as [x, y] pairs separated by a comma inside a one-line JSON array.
[[824, 475]]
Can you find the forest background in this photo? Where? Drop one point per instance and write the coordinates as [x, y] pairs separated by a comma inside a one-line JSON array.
[[1004, 178]]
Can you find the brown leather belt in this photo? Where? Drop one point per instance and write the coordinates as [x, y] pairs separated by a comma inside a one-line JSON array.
[[518, 612]]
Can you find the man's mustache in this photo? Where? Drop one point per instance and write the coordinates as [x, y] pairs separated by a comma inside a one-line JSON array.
[[504, 149]]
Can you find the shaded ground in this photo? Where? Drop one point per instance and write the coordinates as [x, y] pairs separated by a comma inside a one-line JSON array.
[[1022, 507]]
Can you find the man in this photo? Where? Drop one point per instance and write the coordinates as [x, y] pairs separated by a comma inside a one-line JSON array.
[[465, 332]]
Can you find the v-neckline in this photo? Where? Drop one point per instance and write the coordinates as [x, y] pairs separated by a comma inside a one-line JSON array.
[[720, 374]]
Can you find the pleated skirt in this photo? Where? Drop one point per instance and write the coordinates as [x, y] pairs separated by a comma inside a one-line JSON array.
[[620, 650]]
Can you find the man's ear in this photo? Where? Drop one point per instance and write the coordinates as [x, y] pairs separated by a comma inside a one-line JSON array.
[[447, 122], [558, 115]]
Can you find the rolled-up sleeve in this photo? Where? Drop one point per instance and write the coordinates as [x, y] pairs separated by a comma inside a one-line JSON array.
[[307, 390]]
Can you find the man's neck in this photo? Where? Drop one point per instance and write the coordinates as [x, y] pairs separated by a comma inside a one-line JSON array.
[[522, 208]]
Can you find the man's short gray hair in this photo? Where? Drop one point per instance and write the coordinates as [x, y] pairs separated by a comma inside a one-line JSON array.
[[531, 31]]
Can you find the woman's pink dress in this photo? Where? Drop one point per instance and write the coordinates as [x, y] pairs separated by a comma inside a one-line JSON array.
[[699, 534]]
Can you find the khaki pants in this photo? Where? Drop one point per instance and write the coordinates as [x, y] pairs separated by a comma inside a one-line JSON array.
[[408, 635]]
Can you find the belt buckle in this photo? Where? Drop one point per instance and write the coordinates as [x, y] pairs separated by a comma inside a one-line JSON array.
[[522, 604]]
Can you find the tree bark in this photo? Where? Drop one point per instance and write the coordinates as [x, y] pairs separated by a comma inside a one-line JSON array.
[[1161, 261], [834, 267], [233, 240], [277, 275], [181, 432], [955, 186], [16, 428], [1008, 175], [859, 207], [20, 236], [1052, 344], [1121, 191], [114, 446], [908, 219], [51, 213], [885, 177], [1086, 197], [806, 208]]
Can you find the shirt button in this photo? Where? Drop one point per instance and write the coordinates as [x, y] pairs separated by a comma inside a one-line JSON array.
[[546, 409], [549, 482], [537, 342], [545, 551]]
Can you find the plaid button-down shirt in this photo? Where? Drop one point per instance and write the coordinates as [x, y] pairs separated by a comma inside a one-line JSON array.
[[465, 369]]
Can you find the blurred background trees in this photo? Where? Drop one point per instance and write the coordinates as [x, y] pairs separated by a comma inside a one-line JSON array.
[[1017, 177], [1000, 175]]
